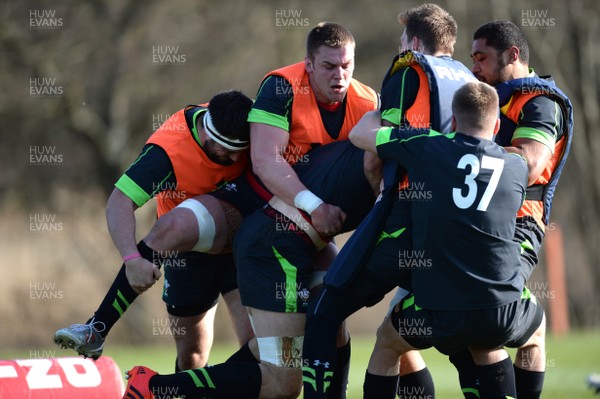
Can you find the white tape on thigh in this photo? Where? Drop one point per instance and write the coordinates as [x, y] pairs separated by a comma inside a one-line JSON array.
[[281, 351], [206, 224]]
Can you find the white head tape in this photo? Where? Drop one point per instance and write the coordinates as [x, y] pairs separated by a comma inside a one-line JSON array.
[[213, 133]]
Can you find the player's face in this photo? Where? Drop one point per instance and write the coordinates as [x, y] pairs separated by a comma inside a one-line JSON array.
[[330, 72], [219, 154], [489, 64]]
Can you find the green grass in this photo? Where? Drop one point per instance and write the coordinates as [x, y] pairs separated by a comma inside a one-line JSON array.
[[570, 361]]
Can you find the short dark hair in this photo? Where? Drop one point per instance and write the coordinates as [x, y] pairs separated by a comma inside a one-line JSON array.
[[229, 112], [431, 24], [475, 105], [502, 35], [327, 34]]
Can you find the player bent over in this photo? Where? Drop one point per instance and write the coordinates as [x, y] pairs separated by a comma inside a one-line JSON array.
[[473, 295], [194, 152]]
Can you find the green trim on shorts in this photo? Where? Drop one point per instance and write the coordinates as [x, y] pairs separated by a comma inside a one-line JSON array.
[[526, 245], [410, 301], [291, 303], [473, 391], [393, 235], [526, 294]]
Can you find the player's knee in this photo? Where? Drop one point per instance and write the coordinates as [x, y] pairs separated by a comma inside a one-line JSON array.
[[189, 361], [293, 383], [281, 358], [203, 231], [191, 352], [383, 334], [286, 381], [166, 227], [239, 316], [538, 338]]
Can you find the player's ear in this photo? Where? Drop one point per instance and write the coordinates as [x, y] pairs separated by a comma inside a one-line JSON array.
[[453, 123], [513, 54], [497, 126], [308, 64]]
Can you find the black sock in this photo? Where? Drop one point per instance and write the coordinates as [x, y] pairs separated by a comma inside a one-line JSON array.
[[467, 374], [497, 380], [339, 382], [226, 380], [379, 386], [319, 355], [119, 297], [416, 385], [243, 355], [529, 383]]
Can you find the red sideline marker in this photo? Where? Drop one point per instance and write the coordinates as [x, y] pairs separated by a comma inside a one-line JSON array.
[[64, 378]]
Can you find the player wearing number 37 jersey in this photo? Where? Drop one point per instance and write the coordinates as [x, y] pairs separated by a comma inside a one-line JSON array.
[[471, 294], [470, 211]]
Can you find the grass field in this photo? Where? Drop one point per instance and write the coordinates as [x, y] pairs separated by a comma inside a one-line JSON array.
[[570, 361]]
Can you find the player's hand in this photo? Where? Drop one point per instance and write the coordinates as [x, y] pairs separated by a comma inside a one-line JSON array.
[[141, 274], [328, 219]]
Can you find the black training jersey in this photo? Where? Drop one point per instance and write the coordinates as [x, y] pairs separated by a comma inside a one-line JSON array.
[[273, 106], [465, 195], [398, 93]]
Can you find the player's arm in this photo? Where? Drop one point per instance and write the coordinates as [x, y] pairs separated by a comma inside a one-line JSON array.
[[137, 185], [363, 135], [536, 154], [269, 136], [267, 144], [120, 220], [405, 146], [537, 132]]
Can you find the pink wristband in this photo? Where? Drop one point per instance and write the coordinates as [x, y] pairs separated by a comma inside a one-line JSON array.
[[132, 256]]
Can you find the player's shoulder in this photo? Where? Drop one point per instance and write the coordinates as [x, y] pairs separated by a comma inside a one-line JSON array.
[[397, 79]]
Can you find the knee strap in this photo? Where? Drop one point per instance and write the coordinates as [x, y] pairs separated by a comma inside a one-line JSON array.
[[206, 224], [281, 351]]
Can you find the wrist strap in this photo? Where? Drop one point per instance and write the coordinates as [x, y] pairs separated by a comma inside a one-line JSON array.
[[307, 201], [132, 256]]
